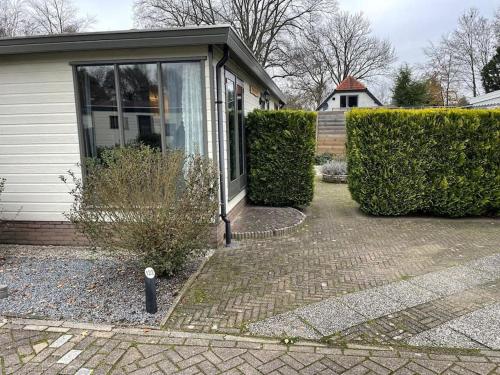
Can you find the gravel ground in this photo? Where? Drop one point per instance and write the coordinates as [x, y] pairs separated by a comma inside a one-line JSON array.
[[76, 283]]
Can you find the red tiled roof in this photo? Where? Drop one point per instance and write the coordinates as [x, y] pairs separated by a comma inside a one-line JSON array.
[[349, 84]]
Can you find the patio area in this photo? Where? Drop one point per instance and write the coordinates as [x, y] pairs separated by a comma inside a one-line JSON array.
[[340, 251]]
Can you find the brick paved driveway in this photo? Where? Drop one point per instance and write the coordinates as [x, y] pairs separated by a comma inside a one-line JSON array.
[[44, 347], [338, 251]]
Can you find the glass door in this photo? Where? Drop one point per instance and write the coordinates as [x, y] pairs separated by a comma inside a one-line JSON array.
[[235, 128]]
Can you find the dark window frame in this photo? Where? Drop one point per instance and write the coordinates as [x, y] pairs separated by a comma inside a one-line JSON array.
[[113, 122], [121, 120], [345, 100], [239, 183]]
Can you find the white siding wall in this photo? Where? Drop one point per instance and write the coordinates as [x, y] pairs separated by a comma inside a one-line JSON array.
[[38, 137], [38, 128], [364, 100]]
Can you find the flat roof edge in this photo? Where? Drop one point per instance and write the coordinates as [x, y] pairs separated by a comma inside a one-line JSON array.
[[114, 40], [248, 58]]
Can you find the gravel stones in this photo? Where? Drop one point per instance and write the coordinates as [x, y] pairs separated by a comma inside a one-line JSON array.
[[79, 284]]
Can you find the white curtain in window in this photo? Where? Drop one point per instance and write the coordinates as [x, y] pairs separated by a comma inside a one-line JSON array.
[[192, 108]]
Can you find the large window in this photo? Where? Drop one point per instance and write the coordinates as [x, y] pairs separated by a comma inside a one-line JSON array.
[[157, 104], [348, 101]]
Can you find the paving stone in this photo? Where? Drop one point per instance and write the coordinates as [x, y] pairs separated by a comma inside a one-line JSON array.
[[34, 327], [305, 358], [287, 324], [339, 247], [329, 316], [39, 347], [84, 371], [489, 264], [371, 304], [407, 294], [439, 283], [60, 341], [444, 336], [468, 275], [482, 326], [69, 356]]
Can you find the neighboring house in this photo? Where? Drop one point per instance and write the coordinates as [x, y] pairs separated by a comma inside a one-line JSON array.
[[489, 100], [348, 94], [64, 98]]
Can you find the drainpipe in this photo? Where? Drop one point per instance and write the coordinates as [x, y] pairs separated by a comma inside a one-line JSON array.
[[220, 131]]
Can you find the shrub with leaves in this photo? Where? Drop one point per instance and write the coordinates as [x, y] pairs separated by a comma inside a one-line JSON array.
[[158, 206], [281, 157], [436, 161]]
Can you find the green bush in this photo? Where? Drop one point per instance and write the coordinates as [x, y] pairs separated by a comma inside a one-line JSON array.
[[435, 161], [158, 206], [281, 157]]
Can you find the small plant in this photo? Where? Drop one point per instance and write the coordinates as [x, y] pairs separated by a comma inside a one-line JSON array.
[[323, 158], [289, 340], [158, 206], [334, 168]]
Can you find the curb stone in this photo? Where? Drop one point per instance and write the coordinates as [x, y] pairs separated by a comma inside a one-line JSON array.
[[259, 235]]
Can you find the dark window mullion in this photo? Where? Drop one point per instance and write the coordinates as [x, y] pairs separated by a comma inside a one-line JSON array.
[[236, 130], [119, 106], [161, 109]]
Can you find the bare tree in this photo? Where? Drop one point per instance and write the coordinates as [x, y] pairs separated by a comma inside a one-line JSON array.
[[442, 65], [496, 25], [57, 17], [305, 69], [350, 49], [472, 44], [262, 24], [13, 20]]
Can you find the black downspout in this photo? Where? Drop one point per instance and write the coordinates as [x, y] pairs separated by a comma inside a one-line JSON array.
[[220, 131]]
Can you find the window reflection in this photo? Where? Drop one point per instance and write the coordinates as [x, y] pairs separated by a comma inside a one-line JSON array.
[[98, 108], [139, 95], [140, 118], [231, 123]]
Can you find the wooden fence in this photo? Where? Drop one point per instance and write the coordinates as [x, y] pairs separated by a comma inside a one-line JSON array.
[[330, 132]]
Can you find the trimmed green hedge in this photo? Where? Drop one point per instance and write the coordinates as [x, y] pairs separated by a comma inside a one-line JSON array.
[[435, 161], [281, 148]]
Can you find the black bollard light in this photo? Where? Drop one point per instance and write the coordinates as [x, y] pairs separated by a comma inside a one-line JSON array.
[[149, 280]]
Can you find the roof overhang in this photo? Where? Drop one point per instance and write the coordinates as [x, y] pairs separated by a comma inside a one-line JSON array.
[[186, 36]]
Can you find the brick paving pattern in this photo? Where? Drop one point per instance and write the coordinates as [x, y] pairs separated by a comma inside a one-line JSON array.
[[258, 219], [43, 347], [338, 250]]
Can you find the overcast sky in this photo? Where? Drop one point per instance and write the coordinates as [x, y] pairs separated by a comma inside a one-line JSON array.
[[408, 24]]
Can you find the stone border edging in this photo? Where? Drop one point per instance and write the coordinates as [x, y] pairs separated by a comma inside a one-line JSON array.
[[185, 287], [271, 232]]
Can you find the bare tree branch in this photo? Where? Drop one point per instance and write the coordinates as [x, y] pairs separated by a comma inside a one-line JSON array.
[[57, 17], [262, 24], [472, 44]]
